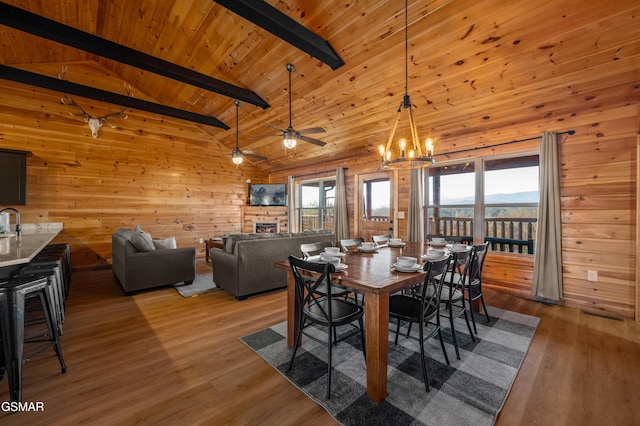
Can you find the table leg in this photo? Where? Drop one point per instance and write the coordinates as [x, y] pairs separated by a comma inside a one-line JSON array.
[[293, 316], [377, 334]]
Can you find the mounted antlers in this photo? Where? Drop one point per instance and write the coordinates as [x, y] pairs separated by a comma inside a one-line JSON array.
[[95, 123]]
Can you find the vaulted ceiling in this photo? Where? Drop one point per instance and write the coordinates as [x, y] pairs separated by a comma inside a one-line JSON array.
[[473, 66]]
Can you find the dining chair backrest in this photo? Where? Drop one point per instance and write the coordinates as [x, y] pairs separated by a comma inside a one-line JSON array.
[[432, 236], [459, 268], [381, 239], [433, 281], [476, 264], [306, 290], [312, 249], [351, 243], [460, 239]]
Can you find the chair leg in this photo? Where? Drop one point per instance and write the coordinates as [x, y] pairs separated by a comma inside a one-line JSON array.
[[453, 332], [425, 378], [444, 351], [473, 318], [484, 307], [329, 350], [466, 318], [295, 345], [397, 331]]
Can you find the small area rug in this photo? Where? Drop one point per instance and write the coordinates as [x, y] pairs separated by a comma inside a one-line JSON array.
[[470, 391], [203, 283]]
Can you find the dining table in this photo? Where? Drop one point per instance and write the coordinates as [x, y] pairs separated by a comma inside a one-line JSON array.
[[370, 272]]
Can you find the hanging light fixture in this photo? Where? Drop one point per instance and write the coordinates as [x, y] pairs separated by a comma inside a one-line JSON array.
[[236, 155], [410, 154], [289, 136]]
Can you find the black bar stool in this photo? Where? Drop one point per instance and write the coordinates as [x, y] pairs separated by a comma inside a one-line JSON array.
[[13, 293], [57, 306], [44, 269]]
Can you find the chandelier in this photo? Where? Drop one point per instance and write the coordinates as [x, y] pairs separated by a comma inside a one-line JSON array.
[[409, 154]]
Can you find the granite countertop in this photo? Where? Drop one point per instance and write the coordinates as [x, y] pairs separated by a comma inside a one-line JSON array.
[[35, 236]]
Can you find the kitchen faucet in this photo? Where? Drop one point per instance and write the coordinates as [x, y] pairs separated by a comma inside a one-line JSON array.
[[18, 228]]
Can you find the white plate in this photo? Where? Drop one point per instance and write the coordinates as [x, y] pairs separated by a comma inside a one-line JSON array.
[[414, 268], [341, 267], [397, 245]]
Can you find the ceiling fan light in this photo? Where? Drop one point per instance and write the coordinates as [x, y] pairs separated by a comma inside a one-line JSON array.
[[237, 159], [290, 142]]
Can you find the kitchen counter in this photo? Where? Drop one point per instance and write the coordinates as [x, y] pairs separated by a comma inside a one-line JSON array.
[[35, 236]]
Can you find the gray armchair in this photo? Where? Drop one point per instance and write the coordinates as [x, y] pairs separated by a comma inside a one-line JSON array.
[[139, 270]]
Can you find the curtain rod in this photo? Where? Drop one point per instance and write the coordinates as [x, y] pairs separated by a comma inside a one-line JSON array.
[[568, 132], [318, 173]]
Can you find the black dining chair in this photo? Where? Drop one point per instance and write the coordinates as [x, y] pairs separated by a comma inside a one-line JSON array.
[[472, 281], [324, 311], [314, 249], [453, 293], [425, 310]]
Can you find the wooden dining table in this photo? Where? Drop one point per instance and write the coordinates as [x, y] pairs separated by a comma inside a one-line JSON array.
[[372, 274]]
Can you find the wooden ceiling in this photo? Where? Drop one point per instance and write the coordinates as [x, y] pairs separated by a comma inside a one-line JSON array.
[[473, 67]]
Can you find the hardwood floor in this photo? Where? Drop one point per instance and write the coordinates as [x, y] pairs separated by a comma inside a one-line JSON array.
[[157, 358]]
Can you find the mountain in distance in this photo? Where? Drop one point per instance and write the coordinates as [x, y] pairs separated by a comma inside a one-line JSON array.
[[515, 198]]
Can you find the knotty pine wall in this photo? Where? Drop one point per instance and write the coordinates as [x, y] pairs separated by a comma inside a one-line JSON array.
[[598, 199], [167, 175]]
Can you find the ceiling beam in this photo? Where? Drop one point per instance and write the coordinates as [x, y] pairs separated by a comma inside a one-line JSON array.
[[277, 23], [33, 79], [43, 27]]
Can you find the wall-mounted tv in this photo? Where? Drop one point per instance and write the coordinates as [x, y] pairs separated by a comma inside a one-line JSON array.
[[267, 194]]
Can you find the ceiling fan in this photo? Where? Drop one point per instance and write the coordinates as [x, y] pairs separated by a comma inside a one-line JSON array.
[[237, 156], [290, 136]]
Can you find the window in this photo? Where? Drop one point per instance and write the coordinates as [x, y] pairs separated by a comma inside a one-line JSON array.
[[316, 204], [451, 200], [376, 200], [499, 204]]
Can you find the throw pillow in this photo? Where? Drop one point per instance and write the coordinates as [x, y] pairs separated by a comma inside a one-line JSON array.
[[167, 243], [142, 241]]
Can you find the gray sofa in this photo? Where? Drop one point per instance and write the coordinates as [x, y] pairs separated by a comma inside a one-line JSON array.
[[139, 267], [246, 264]]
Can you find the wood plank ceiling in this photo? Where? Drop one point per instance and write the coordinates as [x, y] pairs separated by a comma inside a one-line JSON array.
[[473, 67]]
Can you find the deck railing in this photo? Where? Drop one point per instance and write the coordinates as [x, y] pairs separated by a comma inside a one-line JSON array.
[[503, 234]]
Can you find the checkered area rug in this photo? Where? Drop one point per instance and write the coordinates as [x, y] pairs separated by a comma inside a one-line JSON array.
[[470, 391]]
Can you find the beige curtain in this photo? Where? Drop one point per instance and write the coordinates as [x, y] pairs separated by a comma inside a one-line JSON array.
[[340, 218], [291, 204], [415, 224], [547, 271]]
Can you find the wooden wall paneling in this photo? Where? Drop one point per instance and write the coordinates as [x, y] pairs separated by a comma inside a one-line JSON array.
[[150, 171], [637, 269]]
